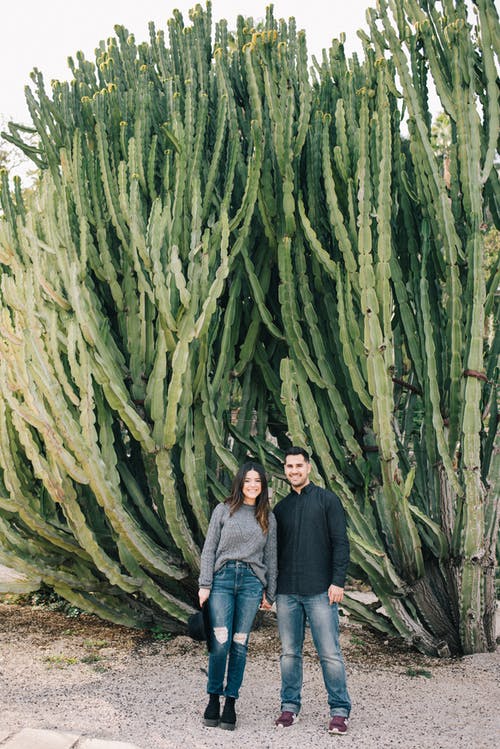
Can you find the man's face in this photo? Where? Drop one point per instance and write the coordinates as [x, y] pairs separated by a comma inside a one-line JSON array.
[[297, 471]]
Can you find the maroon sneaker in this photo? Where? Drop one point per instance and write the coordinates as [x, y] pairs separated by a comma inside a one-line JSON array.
[[338, 724], [286, 719]]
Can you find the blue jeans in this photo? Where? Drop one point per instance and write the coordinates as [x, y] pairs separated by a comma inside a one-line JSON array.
[[323, 619], [233, 602]]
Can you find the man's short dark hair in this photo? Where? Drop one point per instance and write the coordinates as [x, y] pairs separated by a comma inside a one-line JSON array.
[[294, 450]]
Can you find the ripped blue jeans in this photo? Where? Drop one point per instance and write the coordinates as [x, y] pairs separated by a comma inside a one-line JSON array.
[[233, 602]]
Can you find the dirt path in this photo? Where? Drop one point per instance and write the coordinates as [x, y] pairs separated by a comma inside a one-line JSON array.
[[104, 681]]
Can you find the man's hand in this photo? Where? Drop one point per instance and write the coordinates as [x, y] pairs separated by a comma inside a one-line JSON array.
[[203, 595], [335, 594]]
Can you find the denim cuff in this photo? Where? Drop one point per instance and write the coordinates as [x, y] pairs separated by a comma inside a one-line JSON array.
[[290, 707]]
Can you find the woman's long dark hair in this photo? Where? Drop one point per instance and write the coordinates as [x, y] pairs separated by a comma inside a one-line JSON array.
[[236, 498]]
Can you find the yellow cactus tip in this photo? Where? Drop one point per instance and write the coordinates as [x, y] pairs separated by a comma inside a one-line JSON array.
[[111, 87], [123, 123], [217, 52], [131, 40], [85, 99], [143, 68]]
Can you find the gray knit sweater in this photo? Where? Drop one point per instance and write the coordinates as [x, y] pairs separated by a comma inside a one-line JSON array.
[[239, 537]]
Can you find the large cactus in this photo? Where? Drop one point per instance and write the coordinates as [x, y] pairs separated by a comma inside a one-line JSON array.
[[227, 252], [404, 256], [110, 318]]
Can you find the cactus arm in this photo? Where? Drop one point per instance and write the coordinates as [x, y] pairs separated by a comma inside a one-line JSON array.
[[291, 313], [258, 295], [173, 511], [336, 218]]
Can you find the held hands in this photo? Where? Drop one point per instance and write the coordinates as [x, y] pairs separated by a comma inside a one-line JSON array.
[[203, 595], [264, 604], [335, 594]]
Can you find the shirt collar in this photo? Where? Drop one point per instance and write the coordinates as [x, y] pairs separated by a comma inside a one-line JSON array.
[[306, 490]]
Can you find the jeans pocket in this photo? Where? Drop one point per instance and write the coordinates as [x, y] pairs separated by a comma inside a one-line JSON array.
[[255, 582]]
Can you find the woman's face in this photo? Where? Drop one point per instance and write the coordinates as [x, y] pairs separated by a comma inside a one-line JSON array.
[[252, 487]]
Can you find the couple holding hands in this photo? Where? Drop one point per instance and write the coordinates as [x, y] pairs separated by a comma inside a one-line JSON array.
[[296, 555]]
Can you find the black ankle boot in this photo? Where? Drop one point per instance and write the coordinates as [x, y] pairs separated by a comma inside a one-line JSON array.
[[212, 711], [228, 717]]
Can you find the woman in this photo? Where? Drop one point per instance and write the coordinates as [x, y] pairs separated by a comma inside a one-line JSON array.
[[238, 573]]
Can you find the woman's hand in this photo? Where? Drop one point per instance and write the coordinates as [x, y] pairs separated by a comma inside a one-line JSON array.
[[203, 595], [264, 604]]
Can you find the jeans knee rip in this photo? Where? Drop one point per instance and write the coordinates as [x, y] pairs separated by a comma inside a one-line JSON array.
[[240, 638], [221, 634]]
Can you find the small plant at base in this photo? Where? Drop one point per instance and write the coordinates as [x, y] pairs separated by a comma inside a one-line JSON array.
[[101, 668], [91, 658], [60, 661], [357, 641], [47, 598], [418, 672], [96, 644], [157, 633]]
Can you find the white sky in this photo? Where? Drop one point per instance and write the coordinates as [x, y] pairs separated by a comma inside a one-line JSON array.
[[41, 34]]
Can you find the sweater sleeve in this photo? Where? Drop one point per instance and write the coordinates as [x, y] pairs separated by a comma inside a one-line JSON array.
[[271, 559], [208, 554]]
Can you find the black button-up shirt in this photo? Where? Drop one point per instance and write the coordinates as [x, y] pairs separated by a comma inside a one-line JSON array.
[[313, 550]]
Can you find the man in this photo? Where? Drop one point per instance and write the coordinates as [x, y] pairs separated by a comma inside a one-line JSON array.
[[313, 554]]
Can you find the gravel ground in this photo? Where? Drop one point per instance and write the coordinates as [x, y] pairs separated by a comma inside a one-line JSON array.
[[100, 680]]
